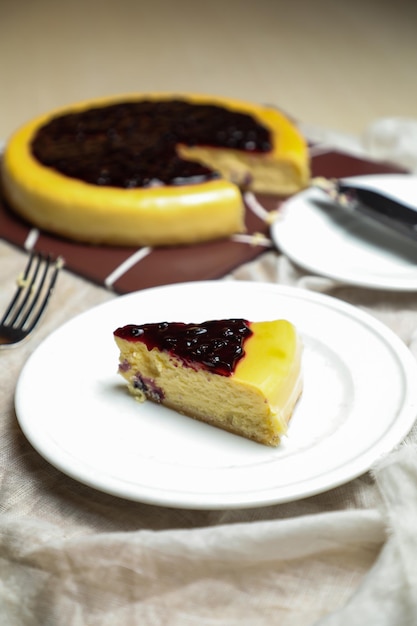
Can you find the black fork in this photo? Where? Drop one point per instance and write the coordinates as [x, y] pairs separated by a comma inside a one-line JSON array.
[[34, 288]]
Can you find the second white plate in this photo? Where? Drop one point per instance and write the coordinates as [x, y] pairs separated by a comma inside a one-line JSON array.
[[359, 401], [321, 238]]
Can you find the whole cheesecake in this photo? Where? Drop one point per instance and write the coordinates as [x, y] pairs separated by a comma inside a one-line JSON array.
[[244, 377], [150, 169]]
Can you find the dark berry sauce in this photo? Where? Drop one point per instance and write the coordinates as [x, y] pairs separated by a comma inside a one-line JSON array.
[[216, 345], [133, 144]]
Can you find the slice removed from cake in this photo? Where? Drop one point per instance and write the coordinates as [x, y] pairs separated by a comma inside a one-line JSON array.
[[244, 377]]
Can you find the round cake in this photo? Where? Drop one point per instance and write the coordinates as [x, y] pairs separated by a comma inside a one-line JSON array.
[[150, 169]]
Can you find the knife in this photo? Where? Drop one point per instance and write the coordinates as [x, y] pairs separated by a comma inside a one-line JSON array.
[[372, 203]]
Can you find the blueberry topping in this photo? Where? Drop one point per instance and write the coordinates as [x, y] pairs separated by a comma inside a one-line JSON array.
[[215, 345], [133, 144]]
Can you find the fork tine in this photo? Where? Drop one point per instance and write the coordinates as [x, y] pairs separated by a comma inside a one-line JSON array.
[[30, 299], [32, 295], [20, 288], [29, 281], [42, 303]]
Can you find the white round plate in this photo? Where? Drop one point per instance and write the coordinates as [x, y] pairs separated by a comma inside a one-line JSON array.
[[321, 238], [359, 401]]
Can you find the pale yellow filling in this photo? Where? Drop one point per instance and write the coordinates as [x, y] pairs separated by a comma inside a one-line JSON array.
[[263, 174], [256, 402], [283, 171], [157, 216]]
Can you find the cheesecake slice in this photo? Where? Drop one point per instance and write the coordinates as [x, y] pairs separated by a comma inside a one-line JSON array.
[[244, 377], [150, 169]]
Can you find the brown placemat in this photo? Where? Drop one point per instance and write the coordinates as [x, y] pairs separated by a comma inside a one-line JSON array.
[[162, 266]]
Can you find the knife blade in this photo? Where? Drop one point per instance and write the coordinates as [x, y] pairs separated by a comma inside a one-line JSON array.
[[372, 204]]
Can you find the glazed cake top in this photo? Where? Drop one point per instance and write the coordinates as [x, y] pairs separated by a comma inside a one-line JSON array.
[[133, 144], [216, 345]]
